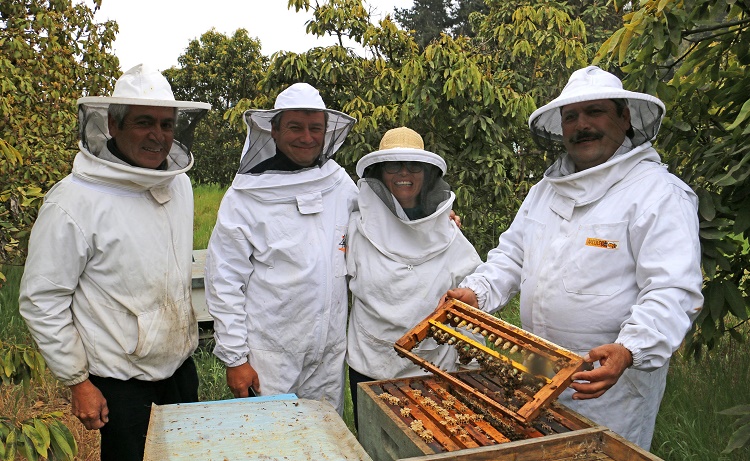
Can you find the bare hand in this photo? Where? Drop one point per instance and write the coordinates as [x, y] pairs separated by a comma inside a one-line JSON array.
[[455, 218], [89, 405], [465, 295], [240, 378], [614, 359]]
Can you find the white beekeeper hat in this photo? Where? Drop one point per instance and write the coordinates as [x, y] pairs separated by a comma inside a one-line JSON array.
[[141, 85], [400, 144], [259, 145], [591, 83]]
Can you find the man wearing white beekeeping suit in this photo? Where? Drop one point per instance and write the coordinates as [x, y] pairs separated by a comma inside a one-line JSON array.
[[106, 286], [604, 251], [275, 267]]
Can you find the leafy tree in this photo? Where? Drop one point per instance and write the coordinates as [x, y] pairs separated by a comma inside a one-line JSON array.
[[694, 57], [427, 18], [220, 70], [461, 13], [51, 53]]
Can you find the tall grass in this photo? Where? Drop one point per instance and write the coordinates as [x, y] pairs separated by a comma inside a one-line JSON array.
[[688, 426], [12, 328], [207, 200]]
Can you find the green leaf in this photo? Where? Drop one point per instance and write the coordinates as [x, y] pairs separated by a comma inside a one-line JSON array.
[[742, 116], [44, 436], [712, 234], [63, 439], [739, 439], [734, 298], [742, 220], [28, 447], [706, 204], [714, 300], [738, 410], [10, 445]]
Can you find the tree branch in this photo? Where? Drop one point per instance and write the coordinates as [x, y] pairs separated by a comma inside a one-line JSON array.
[[716, 27]]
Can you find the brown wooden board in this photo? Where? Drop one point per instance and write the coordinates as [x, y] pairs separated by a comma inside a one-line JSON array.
[[594, 444], [524, 363]]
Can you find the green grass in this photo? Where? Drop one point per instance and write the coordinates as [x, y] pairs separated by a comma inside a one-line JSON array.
[[207, 200], [688, 426], [12, 327]]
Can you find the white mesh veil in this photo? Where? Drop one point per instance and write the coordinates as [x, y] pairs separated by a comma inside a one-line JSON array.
[[140, 86], [260, 146], [92, 120], [592, 83], [434, 190]]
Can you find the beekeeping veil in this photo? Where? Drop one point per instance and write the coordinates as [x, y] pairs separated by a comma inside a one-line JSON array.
[[140, 86], [260, 146], [592, 83], [406, 145]]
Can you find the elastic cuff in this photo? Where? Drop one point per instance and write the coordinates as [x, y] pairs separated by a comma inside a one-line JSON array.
[[636, 353], [478, 292], [77, 380], [239, 362]]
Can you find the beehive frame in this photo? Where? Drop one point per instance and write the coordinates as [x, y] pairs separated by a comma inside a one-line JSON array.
[[541, 387]]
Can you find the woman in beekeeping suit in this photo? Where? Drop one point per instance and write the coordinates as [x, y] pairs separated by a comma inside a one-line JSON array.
[[403, 253]]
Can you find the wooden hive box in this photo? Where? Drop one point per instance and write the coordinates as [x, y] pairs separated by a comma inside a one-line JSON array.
[[425, 415], [509, 401], [387, 432]]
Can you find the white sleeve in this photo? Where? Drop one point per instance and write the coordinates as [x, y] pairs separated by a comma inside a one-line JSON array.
[[666, 247], [228, 269], [497, 281], [58, 253]]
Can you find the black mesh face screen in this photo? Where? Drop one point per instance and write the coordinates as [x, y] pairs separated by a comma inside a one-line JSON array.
[[645, 119], [94, 133]]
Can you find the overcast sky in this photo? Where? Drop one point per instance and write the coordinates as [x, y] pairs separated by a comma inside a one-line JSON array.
[[157, 32]]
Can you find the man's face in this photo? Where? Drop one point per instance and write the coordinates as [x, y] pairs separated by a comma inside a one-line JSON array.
[[300, 135], [146, 135], [592, 131]]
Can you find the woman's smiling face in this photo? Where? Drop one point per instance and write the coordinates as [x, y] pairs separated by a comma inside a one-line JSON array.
[[404, 184]]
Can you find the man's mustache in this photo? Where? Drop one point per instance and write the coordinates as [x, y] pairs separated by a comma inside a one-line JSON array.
[[583, 136]]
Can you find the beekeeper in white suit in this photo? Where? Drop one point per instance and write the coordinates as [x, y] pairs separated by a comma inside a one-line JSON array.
[[604, 251], [106, 286], [403, 253], [275, 267]]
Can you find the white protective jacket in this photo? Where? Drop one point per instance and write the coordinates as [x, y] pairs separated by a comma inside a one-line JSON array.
[[606, 255], [399, 270], [106, 287], [276, 279]]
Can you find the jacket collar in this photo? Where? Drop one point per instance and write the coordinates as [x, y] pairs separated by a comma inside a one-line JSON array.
[[588, 186]]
